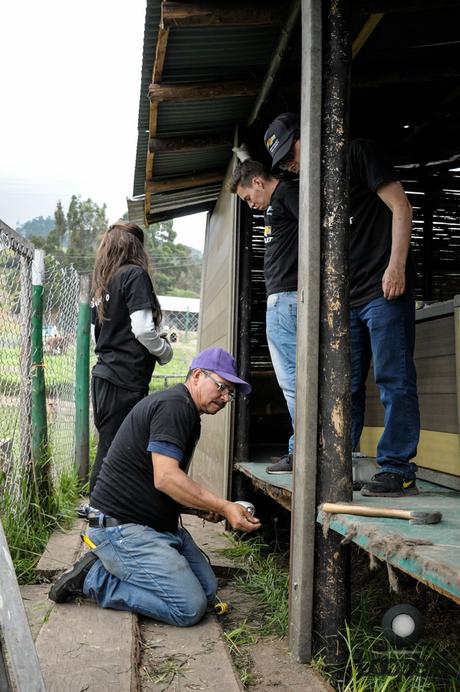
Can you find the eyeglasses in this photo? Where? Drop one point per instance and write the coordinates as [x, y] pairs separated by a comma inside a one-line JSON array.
[[223, 388], [288, 159]]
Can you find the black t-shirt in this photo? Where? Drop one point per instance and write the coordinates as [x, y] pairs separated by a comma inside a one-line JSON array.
[[121, 358], [281, 237], [125, 486], [370, 223]]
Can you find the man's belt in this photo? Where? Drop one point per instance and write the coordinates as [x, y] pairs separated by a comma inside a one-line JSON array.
[[103, 520]]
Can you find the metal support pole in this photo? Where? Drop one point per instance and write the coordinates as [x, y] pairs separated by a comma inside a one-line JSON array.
[[428, 205], [242, 415], [306, 415], [334, 482], [82, 381], [40, 456]]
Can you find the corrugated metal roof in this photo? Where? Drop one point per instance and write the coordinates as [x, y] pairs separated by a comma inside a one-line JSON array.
[[202, 54]]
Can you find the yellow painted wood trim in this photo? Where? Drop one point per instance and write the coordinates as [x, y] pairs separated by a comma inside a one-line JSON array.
[[439, 451]]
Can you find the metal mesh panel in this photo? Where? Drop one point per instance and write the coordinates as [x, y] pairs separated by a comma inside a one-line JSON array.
[[61, 298], [60, 318], [15, 361]]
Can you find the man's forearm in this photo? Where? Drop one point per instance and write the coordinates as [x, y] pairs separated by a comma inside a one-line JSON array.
[[187, 492]]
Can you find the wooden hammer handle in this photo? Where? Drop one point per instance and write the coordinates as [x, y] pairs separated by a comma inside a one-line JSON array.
[[364, 511]]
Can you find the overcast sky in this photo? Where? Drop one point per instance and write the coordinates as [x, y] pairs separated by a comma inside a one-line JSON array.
[[69, 87]]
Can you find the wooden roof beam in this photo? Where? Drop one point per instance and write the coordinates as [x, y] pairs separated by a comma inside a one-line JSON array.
[[220, 13], [184, 143], [201, 91], [367, 29], [205, 178]]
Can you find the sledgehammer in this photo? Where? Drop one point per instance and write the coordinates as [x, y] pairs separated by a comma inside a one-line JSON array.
[[414, 517]]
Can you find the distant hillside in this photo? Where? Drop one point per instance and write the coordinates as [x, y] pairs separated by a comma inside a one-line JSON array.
[[40, 226]]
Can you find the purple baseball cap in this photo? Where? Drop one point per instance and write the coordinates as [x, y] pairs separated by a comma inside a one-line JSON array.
[[222, 363]]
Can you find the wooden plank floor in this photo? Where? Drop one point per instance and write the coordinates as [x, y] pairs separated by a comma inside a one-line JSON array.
[[430, 553]]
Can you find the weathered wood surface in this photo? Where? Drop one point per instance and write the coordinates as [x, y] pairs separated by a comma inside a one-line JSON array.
[[220, 14], [84, 647], [183, 183], [199, 91], [158, 144], [430, 553], [186, 658], [61, 551], [278, 487], [14, 627]]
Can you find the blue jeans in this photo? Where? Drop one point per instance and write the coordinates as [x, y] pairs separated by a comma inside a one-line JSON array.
[[162, 575], [385, 330], [282, 341]]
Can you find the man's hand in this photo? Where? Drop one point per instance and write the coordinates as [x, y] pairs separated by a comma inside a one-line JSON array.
[[239, 518], [393, 282]]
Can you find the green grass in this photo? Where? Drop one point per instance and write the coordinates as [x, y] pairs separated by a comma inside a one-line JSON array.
[[28, 526], [266, 578], [374, 665]]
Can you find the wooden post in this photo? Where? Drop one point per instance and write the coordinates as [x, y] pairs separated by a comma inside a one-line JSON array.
[[82, 381], [334, 416], [15, 630], [306, 416]]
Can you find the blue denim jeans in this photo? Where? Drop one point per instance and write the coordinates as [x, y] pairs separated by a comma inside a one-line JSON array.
[[282, 342], [385, 330], [162, 575]]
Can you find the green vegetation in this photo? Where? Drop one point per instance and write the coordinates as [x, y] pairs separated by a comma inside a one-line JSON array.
[[266, 578], [373, 664], [27, 525], [73, 237]]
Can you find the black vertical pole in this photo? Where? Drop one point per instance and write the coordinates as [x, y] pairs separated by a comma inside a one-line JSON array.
[[331, 600], [242, 413], [427, 237]]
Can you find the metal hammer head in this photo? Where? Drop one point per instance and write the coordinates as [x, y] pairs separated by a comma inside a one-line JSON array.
[[425, 517]]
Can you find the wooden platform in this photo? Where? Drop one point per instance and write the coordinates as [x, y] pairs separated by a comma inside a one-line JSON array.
[[430, 553]]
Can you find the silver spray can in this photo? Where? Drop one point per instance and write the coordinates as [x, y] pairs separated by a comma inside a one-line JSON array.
[[247, 505]]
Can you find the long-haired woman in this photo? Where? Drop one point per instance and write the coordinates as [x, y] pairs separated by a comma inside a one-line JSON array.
[[126, 316]]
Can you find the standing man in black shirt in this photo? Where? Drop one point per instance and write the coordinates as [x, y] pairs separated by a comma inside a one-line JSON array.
[[143, 560], [280, 202], [382, 314]]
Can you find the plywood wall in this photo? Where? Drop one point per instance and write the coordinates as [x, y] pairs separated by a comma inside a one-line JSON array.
[[211, 461]]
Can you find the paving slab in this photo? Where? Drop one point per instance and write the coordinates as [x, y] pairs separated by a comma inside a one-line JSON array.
[[274, 668], [212, 539], [37, 604], [186, 658], [84, 647], [61, 551]]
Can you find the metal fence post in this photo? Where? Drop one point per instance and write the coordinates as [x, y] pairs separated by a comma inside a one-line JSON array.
[[40, 456], [82, 381]]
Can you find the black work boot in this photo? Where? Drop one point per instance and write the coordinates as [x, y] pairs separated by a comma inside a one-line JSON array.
[[70, 584], [283, 465], [387, 484]]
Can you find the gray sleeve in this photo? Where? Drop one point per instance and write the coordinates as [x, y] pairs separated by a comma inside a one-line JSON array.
[[146, 332]]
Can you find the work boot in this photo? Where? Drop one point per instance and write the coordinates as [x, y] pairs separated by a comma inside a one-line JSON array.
[[283, 465], [385, 484], [70, 584]]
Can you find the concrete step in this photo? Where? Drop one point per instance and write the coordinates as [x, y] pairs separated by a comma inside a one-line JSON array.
[[61, 552], [84, 647], [186, 658]]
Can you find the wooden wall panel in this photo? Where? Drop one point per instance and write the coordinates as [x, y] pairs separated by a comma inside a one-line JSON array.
[[211, 461]]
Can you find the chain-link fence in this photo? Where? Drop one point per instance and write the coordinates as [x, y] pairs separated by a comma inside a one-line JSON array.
[[60, 318], [59, 336], [15, 361]]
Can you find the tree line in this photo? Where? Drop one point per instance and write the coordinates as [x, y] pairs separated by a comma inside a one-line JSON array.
[[73, 237]]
